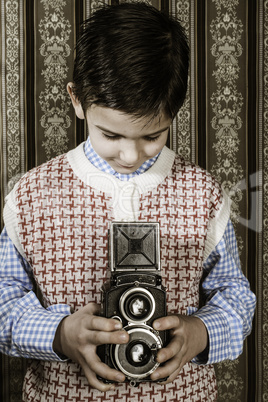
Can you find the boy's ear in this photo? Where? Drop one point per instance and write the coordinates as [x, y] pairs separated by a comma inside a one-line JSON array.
[[76, 104]]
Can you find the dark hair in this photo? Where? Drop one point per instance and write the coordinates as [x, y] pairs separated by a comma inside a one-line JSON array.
[[134, 58]]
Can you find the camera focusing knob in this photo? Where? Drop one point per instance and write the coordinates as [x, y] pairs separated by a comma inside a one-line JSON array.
[[116, 317], [133, 383], [114, 281]]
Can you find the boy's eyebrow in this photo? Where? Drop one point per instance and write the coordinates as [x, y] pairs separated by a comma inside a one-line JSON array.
[[111, 132]]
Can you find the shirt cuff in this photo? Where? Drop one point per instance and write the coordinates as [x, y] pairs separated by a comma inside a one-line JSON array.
[[224, 332], [35, 328], [201, 358]]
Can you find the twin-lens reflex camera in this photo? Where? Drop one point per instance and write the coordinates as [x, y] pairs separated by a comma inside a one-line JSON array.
[[135, 296]]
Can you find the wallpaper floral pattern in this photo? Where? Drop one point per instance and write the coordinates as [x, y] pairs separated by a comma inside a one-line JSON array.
[[226, 98], [12, 93], [263, 152], [54, 102], [227, 101], [183, 143]]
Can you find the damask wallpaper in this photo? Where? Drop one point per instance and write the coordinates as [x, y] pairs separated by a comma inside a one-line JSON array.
[[222, 126]]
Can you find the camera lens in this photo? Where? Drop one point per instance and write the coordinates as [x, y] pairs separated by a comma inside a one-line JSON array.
[[137, 359], [138, 353], [137, 305]]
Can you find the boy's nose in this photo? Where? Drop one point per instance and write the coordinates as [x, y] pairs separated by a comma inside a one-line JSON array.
[[130, 154]]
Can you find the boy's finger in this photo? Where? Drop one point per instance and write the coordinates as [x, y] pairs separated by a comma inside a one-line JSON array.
[[166, 323], [97, 323], [92, 308], [104, 338], [94, 382], [96, 368], [170, 370], [171, 350]]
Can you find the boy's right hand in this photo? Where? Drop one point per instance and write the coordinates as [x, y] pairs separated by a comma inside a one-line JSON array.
[[78, 336]]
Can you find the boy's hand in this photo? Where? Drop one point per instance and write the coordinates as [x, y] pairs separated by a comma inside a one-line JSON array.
[[78, 336], [188, 338]]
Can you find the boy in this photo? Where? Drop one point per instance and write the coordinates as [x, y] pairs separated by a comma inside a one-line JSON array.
[[130, 79]]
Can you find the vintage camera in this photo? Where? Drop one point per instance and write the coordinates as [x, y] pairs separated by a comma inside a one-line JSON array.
[[134, 295]]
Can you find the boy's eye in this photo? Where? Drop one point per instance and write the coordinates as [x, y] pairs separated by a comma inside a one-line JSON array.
[[114, 137], [152, 138], [111, 136]]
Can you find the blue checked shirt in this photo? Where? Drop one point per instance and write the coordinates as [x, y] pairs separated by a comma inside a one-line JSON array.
[[27, 329]]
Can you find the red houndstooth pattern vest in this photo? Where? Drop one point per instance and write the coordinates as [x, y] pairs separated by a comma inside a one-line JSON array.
[[64, 210]]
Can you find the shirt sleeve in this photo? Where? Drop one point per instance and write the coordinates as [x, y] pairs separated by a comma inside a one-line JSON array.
[[27, 329], [230, 304]]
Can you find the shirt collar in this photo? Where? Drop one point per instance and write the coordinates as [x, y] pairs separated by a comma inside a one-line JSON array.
[[104, 166]]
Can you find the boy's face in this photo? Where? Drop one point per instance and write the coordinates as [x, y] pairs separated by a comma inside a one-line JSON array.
[[123, 141]]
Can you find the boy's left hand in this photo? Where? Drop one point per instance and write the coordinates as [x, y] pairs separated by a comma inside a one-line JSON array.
[[188, 338]]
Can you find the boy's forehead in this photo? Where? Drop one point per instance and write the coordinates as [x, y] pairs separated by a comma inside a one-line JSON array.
[[111, 119]]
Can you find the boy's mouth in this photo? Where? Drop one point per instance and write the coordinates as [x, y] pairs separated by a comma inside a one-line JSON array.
[[122, 166]]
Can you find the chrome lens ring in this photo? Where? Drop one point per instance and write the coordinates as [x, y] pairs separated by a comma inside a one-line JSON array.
[[137, 358], [137, 305]]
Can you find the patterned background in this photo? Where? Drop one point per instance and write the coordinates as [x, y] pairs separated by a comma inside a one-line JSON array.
[[221, 126]]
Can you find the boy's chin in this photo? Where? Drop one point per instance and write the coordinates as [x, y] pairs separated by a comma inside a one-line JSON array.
[[124, 169]]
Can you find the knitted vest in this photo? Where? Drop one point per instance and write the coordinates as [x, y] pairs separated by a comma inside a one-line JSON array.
[[64, 208]]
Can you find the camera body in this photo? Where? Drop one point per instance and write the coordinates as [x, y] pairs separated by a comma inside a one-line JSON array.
[[134, 295]]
